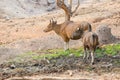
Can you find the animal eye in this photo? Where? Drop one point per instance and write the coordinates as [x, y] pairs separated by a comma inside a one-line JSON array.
[[78, 29]]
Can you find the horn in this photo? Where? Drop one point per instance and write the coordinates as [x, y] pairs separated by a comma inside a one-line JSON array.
[[54, 20], [50, 21]]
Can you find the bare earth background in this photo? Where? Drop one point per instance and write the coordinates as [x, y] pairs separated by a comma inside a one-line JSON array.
[[22, 23]]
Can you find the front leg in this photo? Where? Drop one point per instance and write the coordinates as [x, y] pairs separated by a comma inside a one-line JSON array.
[[66, 46], [66, 42]]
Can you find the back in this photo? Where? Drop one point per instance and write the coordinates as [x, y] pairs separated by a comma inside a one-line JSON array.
[[86, 26], [70, 29], [90, 39], [80, 29]]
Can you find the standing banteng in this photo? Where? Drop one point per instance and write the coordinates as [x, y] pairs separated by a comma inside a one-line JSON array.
[[90, 43], [67, 30]]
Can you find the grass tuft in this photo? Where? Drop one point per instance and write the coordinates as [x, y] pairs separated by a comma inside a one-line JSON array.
[[109, 50]]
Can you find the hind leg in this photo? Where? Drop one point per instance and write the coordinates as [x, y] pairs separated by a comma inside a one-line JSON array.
[[85, 54], [92, 57], [89, 54]]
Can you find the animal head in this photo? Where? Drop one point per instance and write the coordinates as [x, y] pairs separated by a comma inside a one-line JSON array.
[[77, 34], [50, 26]]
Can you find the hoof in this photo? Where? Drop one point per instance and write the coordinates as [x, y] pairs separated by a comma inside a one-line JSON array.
[[92, 63], [67, 50]]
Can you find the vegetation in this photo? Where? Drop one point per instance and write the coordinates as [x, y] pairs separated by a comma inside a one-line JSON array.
[[57, 60], [109, 50]]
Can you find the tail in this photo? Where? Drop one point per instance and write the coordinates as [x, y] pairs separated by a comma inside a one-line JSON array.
[[94, 40]]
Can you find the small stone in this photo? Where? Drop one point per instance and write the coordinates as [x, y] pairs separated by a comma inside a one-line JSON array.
[[70, 72], [71, 55], [12, 66]]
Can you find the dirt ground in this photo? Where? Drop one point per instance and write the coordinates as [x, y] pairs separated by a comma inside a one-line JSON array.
[[70, 67], [19, 35]]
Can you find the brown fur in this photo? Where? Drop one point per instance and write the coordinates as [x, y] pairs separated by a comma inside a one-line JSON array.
[[90, 42], [83, 26], [66, 29]]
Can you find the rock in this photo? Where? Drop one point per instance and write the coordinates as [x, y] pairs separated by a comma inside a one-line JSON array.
[[104, 34], [70, 72]]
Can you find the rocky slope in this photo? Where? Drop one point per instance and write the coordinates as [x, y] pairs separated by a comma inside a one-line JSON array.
[[23, 8], [26, 8]]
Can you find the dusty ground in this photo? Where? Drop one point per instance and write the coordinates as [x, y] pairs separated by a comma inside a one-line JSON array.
[[70, 67], [19, 35]]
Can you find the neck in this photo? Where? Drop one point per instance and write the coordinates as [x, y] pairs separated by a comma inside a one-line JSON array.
[[57, 28]]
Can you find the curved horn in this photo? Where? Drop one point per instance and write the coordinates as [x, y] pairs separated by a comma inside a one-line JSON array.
[[54, 19], [50, 21]]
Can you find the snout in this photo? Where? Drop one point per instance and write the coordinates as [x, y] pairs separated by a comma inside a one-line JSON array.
[[45, 30], [75, 37]]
